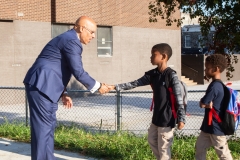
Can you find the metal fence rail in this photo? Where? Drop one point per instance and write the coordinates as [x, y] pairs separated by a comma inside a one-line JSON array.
[[128, 110]]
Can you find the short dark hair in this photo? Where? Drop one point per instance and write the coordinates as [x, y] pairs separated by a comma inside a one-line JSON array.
[[217, 60], [163, 48]]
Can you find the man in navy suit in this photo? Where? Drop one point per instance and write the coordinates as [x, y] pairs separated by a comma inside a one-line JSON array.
[[46, 82]]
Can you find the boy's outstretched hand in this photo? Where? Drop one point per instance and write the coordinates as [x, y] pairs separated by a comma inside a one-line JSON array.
[[180, 125], [111, 87], [105, 88]]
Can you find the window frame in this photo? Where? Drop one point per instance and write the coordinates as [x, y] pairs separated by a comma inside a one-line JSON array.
[[110, 48], [68, 26]]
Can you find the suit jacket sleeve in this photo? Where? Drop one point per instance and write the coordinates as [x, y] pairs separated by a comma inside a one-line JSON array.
[[73, 55]]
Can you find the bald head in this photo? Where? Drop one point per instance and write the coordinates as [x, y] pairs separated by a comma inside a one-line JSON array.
[[84, 20], [85, 28]]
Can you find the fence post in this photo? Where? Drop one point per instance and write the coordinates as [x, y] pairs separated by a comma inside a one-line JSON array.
[[119, 110], [26, 108]]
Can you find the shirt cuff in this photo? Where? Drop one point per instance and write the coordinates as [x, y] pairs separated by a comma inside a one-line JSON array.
[[95, 87]]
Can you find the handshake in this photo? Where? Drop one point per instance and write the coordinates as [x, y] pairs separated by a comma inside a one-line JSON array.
[[104, 88]]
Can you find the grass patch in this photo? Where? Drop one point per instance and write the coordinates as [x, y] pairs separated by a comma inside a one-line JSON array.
[[118, 146]]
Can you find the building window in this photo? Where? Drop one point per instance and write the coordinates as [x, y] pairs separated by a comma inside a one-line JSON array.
[[58, 29], [187, 41], [201, 42], [104, 41]]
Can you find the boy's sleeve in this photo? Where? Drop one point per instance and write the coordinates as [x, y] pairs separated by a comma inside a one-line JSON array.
[[179, 99], [209, 95], [144, 80]]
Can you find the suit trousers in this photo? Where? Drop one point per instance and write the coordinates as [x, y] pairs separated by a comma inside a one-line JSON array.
[[206, 140], [160, 140], [43, 122]]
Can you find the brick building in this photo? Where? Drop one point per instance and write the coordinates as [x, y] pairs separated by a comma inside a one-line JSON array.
[[119, 53]]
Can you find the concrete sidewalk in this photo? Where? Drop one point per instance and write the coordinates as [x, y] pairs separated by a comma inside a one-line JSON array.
[[12, 150]]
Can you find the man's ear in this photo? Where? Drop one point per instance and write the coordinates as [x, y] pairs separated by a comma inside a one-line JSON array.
[[78, 29]]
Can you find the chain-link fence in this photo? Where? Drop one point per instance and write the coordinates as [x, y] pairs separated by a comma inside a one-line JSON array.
[[128, 110]]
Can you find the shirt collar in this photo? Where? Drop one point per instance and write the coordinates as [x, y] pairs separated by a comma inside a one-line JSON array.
[[76, 34]]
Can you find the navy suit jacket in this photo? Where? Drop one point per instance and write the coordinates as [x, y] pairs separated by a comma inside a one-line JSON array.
[[59, 59]]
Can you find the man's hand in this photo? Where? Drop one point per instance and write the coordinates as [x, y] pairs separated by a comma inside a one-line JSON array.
[[67, 101], [103, 89], [180, 125]]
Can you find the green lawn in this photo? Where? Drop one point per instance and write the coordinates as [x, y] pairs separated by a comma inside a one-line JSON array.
[[117, 146]]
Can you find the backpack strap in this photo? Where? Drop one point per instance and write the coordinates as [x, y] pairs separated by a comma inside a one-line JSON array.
[[213, 112], [173, 102], [168, 81]]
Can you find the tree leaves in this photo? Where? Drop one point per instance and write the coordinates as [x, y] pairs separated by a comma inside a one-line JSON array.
[[223, 15]]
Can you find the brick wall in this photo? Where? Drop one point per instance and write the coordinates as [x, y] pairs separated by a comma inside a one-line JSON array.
[[132, 13], [127, 13], [28, 10]]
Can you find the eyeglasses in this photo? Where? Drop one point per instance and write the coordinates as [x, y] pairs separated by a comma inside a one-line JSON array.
[[91, 32]]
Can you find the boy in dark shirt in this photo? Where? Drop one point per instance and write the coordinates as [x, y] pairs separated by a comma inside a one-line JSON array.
[[212, 134], [160, 132]]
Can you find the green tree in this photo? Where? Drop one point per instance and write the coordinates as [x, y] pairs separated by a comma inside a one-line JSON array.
[[224, 15]]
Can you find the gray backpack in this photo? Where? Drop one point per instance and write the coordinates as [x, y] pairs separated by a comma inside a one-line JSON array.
[[184, 91]]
